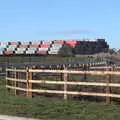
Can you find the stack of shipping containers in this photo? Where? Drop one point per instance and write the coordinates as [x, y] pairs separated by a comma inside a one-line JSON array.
[[33, 46], [11, 47], [85, 46], [44, 47], [56, 46], [3, 45], [22, 47]]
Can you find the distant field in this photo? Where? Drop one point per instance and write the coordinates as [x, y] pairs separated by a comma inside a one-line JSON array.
[[54, 109], [19, 60]]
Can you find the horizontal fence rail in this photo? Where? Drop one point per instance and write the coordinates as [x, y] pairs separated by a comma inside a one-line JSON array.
[[68, 83], [77, 72], [68, 92]]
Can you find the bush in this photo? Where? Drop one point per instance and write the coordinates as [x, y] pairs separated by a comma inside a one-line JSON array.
[[66, 51]]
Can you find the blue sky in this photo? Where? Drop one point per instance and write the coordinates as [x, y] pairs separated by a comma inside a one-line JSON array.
[[60, 19]]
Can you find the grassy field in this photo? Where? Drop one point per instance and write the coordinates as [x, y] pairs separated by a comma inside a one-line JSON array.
[[54, 109]]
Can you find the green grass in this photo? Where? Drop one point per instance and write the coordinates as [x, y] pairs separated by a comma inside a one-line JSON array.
[[54, 109]]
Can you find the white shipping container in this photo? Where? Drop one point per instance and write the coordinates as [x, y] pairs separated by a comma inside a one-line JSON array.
[[10, 49], [4, 43], [57, 45], [32, 48], [46, 42], [1, 49], [19, 52], [54, 49], [3, 46], [12, 46], [36, 42], [53, 52], [44, 49], [1, 52], [25, 42], [30, 52], [21, 49]]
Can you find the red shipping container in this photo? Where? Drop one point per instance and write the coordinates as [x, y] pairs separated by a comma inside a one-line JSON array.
[[45, 45], [14, 43], [23, 46], [34, 45], [41, 52], [8, 52], [71, 43], [58, 41]]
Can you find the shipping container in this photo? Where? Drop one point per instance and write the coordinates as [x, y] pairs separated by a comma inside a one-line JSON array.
[[19, 52], [23, 46], [45, 45], [41, 52], [34, 45], [2, 49], [31, 49], [36, 42], [7, 52], [30, 52], [57, 45], [53, 52], [53, 49], [4, 43], [25, 43], [58, 41], [21, 49], [1, 52], [46, 42], [14, 43], [43, 49], [11, 47]]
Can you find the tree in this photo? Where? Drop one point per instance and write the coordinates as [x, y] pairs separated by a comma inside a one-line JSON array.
[[112, 51], [66, 50]]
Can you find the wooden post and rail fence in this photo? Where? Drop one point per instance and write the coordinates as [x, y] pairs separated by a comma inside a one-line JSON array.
[[65, 82]]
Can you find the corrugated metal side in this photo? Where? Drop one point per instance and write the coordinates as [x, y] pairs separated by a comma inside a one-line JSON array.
[[53, 52], [43, 49], [14, 43], [19, 52], [36, 42], [45, 45], [46, 42], [7, 52], [23, 46], [21, 49], [58, 41], [34, 45], [30, 51], [41, 52], [25, 43]]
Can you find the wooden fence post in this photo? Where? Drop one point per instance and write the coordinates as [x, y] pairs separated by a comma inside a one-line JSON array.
[[6, 78], [65, 84], [85, 75], [27, 78], [29, 85], [108, 91], [15, 80]]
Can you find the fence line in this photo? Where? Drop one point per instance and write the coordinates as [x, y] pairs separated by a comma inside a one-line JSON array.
[[29, 82]]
